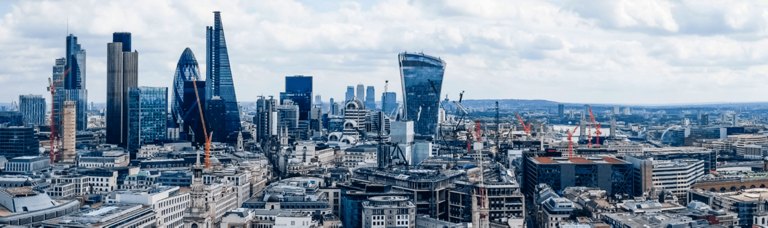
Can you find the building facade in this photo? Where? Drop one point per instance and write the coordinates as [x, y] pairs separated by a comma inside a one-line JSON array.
[[32, 108], [422, 77], [184, 106], [389, 211], [122, 74], [18, 141], [147, 112], [69, 132], [219, 82], [607, 173]]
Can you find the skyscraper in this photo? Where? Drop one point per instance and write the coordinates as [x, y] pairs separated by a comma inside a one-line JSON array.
[[370, 98], [69, 131], [124, 38], [360, 95], [389, 103], [265, 118], [350, 93], [147, 111], [422, 77], [32, 108], [219, 83], [298, 89], [122, 75], [184, 111], [560, 110], [74, 80]]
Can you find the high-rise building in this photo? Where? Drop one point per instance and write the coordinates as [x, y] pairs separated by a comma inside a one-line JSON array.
[[32, 108], [560, 110], [18, 141], [360, 95], [350, 94], [183, 111], [422, 77], [402, 134], [74, 80], [608, 173], [124, 38], [265, 118], [389, 103], [122, 75], [57, 80], [193, 125], [298, 89], [147, 111], [370, 98], [69, 131], [676, 176], [219, 83]]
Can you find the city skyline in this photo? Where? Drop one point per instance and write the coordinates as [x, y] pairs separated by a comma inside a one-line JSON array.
[[610, 52]]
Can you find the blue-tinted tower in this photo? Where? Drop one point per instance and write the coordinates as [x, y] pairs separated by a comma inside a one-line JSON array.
[[219, 82], [422, 77], [298, 89], [74, 81], [147, 111], [185, 112]]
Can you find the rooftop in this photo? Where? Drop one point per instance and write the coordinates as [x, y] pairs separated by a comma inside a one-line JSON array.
[[578, 160]]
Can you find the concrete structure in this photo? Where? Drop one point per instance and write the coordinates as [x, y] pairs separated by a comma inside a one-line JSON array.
[[69, 131], [108, 215], [676, 176], [505, 199], [103, 159], [746, 203], [648, 220], [27, 164], [606, 172], [122, 74], [388, 211], [402, 133], [24, 206], [168, 203]]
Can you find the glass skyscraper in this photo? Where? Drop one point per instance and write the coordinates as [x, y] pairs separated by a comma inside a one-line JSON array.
[[122, 75], [183, 110], [298, 89], [219, 82], [389, 103], [350, 94], [74, 81], [32, 108], [370, 98], [422, 77], [147, 111]]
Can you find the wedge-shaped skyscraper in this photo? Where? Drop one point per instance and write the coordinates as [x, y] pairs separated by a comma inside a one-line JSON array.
[[219, 84]]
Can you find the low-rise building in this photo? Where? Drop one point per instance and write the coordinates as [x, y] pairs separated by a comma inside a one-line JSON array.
[[389, 211], [27, 164], [168, 203], [108, 215]]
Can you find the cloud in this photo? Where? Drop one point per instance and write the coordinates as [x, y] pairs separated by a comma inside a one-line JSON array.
[[607, 51]]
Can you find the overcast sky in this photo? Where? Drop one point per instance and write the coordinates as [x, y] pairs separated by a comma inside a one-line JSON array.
[[606, 51]]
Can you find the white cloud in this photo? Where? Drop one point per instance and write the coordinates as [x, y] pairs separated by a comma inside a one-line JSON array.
[[606, 51]]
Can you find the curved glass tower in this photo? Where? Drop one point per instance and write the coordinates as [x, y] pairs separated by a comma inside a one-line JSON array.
[[422, 77], [184, 109], [219, 84]]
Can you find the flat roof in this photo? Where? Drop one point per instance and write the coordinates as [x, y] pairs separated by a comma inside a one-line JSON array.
[[579, 160]]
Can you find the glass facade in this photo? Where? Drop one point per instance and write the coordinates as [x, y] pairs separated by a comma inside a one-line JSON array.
[[389, 103], [182, 111], [124, 38], [298, 89], [370, 98], [32, 108], [147, 110], [74, 81], [422, 78], [350, 94], [219, 79]]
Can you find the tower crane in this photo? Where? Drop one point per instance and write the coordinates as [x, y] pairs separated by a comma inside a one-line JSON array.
[[570, 141], [52, 88], [526, 128], [597, 128], [480, 200], [205, 131]]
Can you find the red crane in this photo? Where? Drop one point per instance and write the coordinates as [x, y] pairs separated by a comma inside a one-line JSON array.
[[526, 128], [52, 88], [570, 141], [205, 131], [597, 129]]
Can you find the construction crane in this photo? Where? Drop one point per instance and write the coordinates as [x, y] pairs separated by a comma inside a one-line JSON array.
[[596, 126], [570, 141], [52, 88], [480, 200], [526, 128], [205, 131]]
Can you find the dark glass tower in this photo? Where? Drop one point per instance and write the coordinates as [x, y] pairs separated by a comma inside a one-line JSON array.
[[422, 77], [350, 94], [370, 98], [147, 111], [298, 89], [219, 84], [122, 75], [74, 82], [182, 110], [124, 38]]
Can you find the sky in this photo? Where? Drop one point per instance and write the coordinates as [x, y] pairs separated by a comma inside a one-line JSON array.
[[607, 51]]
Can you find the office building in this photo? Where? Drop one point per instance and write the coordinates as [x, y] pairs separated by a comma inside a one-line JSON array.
[[219, 82], [184, 109], [124, 38], [560, 110], [748, 204], [265, 118], [360, 95], [24, 206], [18, 141], [350, 94], [69, 132], [27, 164], [608, 173], [389, 103], [168, 202], [147, 112], [32, 108], [389, 211], [108, 215], [298, 89], [422, 77], [370, 98], [74, 80], [122, 75], [505, 200], [402, 134], [192, 119], [676, 176]]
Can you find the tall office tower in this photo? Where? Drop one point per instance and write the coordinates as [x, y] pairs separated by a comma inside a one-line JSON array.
[[265, 118], [124, 38], [69, 131], [32, 108], [16, 141], [219, 81], [422, 77], [360, 95], [74, 80], [182, 110], [193, 125], [350, 94], [333, 107], [319, 102], [298, 89], [389, 103], [122, 75], [147, 111], [370, 98], [57, 80], [560, 110]]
